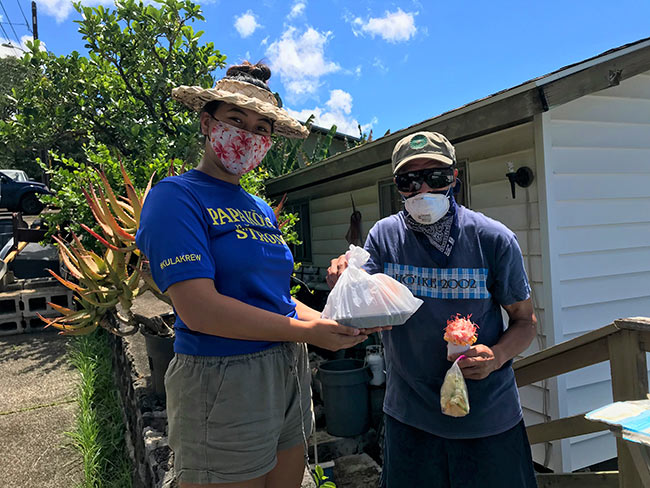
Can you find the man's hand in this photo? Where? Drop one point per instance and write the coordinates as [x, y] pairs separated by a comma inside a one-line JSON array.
[[337, 266], [479, 362]]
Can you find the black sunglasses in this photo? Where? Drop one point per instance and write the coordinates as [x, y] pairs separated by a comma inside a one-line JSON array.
[[434, 177]]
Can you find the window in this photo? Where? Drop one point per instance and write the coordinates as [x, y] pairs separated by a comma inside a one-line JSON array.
[[462, 197], [390, 201], [301, 253]]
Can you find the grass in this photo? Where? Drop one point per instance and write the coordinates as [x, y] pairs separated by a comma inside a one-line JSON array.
[[99, 431]]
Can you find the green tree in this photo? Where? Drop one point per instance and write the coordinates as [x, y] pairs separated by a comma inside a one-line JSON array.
[[113, 104], [13, 75]]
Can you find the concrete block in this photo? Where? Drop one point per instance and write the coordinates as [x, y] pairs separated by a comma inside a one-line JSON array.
[[37, 283], [36, 300], [10, 284], [34, 324], [9, 304], [12, 325]]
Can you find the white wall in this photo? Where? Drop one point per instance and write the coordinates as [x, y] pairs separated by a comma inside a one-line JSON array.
[[490, 194], [596, 159], [330, 220]]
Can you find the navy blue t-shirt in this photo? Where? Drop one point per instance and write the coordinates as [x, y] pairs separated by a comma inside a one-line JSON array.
[[197, 226], [485, 270]]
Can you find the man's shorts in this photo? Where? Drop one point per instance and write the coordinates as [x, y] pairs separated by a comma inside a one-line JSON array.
[[413, 457], [229, 416]]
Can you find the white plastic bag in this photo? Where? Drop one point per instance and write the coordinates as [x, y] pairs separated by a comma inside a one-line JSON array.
[[454, 399], [363, 300]]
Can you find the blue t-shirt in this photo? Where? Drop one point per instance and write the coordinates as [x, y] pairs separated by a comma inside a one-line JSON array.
[[197, 226], [485, 270]]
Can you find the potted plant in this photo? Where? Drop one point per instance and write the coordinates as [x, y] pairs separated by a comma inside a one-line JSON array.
[[106, 285]]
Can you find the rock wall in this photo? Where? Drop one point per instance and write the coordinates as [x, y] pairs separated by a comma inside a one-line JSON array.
[[144, 415]]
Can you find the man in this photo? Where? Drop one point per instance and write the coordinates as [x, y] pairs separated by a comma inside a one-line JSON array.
[[459, 262]]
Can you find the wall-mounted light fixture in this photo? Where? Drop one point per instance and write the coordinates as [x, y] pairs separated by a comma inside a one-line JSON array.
[[523, 177]]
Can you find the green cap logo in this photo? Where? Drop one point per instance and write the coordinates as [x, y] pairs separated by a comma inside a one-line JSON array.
[[418, 142]]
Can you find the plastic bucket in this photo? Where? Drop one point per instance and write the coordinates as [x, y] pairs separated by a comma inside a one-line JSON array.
[[160, 351], [345, 396]]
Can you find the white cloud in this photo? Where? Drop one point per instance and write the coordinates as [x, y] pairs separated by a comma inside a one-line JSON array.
[[340, 101], [357, 71], [336, 112], [377, 63], [300, 60], [61, 9], [297, 9], [265, 41], [392, 27], [246, 24]]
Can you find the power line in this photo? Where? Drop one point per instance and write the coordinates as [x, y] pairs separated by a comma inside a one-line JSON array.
[[5, 32], [14, 23], [24, 16], [9, 20]]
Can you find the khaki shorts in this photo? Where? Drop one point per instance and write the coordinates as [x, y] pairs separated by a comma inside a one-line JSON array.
[[229, 416]]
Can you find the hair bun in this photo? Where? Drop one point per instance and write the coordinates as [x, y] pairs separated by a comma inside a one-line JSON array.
[[259, 71]]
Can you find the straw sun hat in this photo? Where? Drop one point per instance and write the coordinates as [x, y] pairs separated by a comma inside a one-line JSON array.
[[244, 95]]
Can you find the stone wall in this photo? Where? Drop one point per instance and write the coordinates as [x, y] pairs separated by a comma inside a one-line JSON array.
[[144, 414]]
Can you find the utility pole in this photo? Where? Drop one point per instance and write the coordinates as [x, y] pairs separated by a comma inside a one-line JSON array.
[[34, 21]]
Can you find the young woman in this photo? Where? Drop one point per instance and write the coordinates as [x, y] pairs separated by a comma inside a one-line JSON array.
[[238, 389]]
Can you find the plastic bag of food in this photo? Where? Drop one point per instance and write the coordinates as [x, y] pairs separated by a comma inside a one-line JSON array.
[[363, 300], [454, 399]]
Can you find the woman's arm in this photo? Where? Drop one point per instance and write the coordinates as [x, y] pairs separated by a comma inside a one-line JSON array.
[[205, 310], [305, 312]]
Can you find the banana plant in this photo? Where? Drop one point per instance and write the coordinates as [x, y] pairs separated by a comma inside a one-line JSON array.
[[105, 285]]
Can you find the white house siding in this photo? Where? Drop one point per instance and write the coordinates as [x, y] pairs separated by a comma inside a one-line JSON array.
[[597, 164], [490, 194], [330, 220]]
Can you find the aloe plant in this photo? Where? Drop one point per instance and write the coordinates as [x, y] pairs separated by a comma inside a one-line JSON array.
[[112, 281]]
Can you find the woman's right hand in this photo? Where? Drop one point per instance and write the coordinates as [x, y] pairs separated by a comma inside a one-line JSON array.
[[332, 336]]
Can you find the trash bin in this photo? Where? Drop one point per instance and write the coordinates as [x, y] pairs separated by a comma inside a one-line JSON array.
[[160, 351], [345, 396]]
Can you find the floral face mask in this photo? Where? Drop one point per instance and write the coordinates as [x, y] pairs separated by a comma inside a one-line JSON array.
[[238, 150]]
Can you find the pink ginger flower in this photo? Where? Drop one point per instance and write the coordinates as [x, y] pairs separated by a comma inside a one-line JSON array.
[[461, 331]]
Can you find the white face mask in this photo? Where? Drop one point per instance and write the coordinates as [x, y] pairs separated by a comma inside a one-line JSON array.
[[427, 208]]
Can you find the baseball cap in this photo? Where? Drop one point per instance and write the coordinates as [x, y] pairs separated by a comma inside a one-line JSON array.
[[428, 145]]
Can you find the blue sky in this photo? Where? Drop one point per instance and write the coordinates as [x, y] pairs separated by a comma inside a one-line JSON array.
[[386, 64]]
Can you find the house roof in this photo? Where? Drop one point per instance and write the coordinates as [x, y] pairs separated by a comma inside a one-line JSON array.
[[337, 135], [498, 111]]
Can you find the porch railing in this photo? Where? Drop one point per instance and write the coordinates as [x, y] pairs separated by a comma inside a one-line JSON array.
[[622, 343]]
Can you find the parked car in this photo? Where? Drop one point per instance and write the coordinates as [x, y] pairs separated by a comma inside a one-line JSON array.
[[21, 196], [16, 174]]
